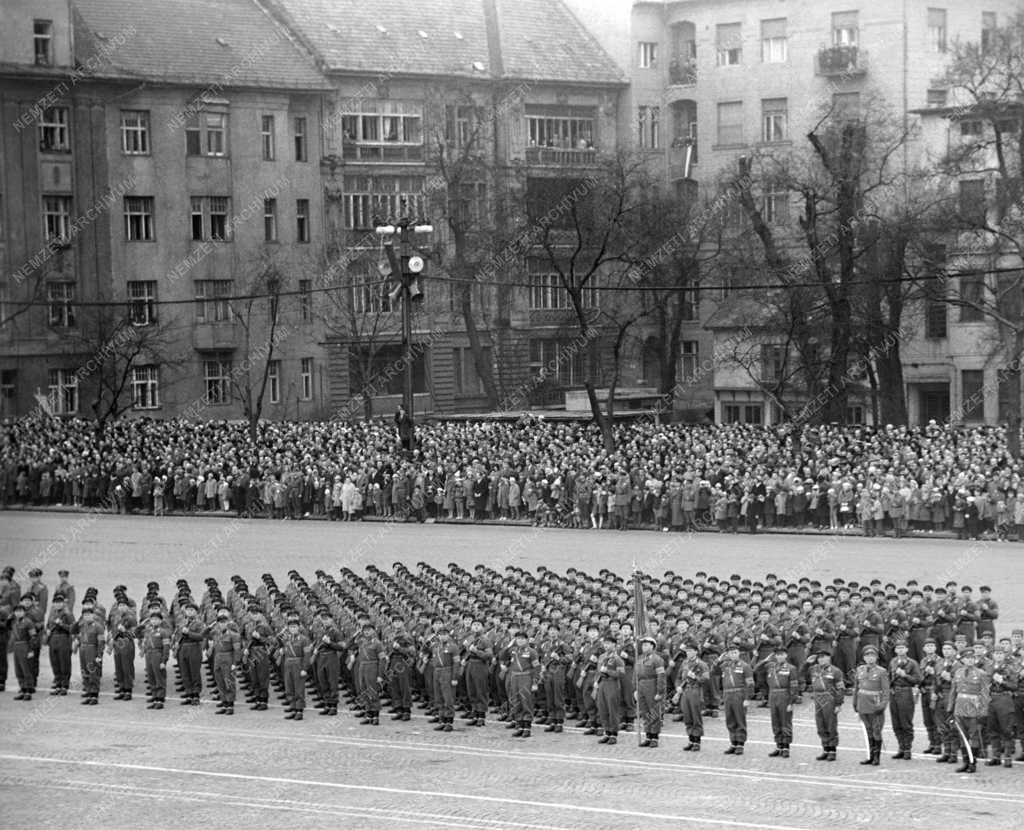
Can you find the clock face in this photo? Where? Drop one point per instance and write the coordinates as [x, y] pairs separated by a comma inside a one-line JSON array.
[[415, 264]]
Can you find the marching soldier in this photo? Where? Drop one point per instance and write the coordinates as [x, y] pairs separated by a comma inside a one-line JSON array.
[[294, 652], [89, 639], [870, 699], [189, 640], [904, 677], [522, 663], [477, 653], [445, 660], [121, 625], [783, 689], [651, 682], [827, 691], [555, 658], [692, 676], [225, 646], [58, 638], [155, 643], [327, 661], [929, 663], [737, 689], [969, 702], [370, 668], [1004, 683], [25, 636], [607, 689]]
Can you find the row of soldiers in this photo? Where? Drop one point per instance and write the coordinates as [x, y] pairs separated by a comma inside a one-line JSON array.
[[558, 648]]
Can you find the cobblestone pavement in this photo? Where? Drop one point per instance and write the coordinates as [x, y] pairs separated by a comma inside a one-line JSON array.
[[120, 765]]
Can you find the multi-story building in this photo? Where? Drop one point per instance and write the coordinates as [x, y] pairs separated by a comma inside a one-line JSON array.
[[457, 109], [738, 78], [166, 170]]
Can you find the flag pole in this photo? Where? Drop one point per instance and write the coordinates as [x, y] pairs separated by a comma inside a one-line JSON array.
[[638, 623]]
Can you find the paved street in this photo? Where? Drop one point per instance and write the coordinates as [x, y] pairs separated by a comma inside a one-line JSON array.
[[119, 764]]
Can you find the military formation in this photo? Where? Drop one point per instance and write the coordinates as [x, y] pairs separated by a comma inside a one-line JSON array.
[[546, 649]]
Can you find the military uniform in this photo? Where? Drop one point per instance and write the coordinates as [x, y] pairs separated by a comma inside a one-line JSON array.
[[477, 654], [226, 653], [58, 639], [25, 635], [651, 685], [870, 700], [444, 658], [524, 668], [607, 692], [1004, 679], [295, 651], [155, 644], [737, 689], [369, 666], [692, 676], [783, 688], [555, 658], [904, 677], [188, 648], [401, 661], [969, 702], [89, 641], [827, 691]]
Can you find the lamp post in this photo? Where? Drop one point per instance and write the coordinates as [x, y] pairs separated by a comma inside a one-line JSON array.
[[406, 268]]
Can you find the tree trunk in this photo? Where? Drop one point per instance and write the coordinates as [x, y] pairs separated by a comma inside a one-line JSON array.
[[602, 421], [483, 367], [892, 400]]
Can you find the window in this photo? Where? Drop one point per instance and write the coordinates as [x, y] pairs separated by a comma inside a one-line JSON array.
[[774, 119], [648, 55], [138, 218], [61, 297], [972, 298], [937, 30], [855, 414], [57, 219], [935, 312], [988, 32], [302, 220], [220, 206], [773, 362], [548, 292], [301, 152], [691, 303], [972, 394], [649, 126], [145, 387], [735, 413], [53, 130], [728, 44], [305, 300], [206, 134], [775, 208], [42, 41], [64, 391], [689, 360], [972, 127], [270, 220], [212, 305], [306, 375], [135, 132], [142, 302], [389, 131], [730, 123], [467, 380], [460, 125], [267, 144], [844, 28], [209, 218], [972, 202], [371, 200], [773, 41], [274, 381], [562, 362], [8, 391], [374, 369], [367, 293], [217, 376], [566, 128], [937, 97]]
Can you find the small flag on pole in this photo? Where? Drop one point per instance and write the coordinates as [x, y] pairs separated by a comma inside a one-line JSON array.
[[639, 607]]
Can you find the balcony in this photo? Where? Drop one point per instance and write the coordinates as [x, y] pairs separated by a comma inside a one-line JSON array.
[[383, 153], [214, 337], [839, 61], [560, 156], [682, 71]]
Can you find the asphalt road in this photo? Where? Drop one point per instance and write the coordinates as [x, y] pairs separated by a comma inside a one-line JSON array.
[[120, 765]]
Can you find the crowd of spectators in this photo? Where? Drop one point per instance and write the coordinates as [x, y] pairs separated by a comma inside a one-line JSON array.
[[733, 478]]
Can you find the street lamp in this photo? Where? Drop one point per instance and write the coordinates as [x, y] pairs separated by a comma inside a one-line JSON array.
[[406, 268]]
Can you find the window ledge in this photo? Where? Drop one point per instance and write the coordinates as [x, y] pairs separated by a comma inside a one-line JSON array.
[[740, 146]]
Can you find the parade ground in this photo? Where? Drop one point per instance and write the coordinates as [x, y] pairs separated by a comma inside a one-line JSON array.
[[119, 765]]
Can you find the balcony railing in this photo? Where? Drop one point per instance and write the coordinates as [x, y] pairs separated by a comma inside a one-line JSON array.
[[682, 71], [384, 153], [841, 60], [560, 156]]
